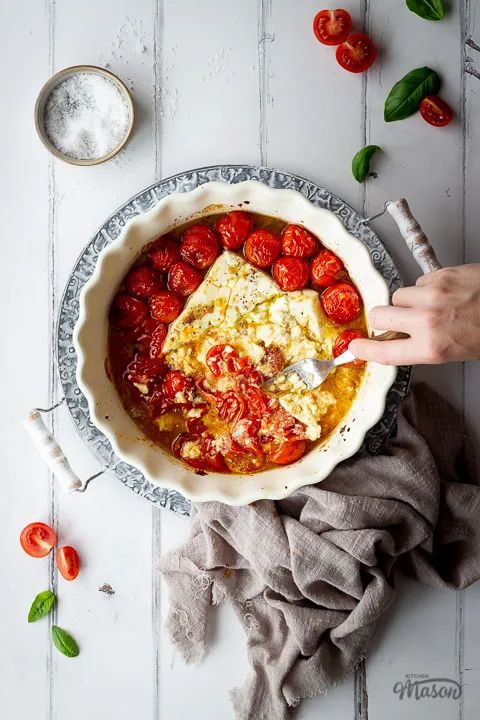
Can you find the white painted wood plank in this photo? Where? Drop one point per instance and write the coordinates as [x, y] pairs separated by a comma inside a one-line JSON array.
[[24, 360]]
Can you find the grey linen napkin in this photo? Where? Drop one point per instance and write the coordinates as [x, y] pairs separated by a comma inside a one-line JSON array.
[[309, 576]]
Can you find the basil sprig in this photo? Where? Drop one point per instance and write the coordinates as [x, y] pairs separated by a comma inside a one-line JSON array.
[[361, 162], [41, 606], [64, 642], [427, 9], [406, 95]]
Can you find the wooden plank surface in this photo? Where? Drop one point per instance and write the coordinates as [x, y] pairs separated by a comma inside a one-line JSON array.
[[213, 82]]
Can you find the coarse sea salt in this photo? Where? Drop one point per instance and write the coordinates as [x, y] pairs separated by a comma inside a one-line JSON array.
[[86, 116]]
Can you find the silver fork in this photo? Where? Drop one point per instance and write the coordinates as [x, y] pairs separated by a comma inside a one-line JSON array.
[[313, 372]]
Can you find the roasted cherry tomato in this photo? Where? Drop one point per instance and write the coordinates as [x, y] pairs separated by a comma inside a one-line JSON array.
[[341, 302], [357, 53], [200, 246], [291, 273], [166, 306], [288, 452], [163, 253], [245, 433], [262, 248], [143, 369], [157, 340], [342, 342], [143, 281], [199, 452], [177, 386], [258, 400], [326, 268], [158, 404], [332, 27], [183, 278], [224, 359], [234, 228], [298, 242], [436, 111], [127, 312], [231, 407], [237, 458], [195, 425], [272, 361], [68, 562], [37, 539]]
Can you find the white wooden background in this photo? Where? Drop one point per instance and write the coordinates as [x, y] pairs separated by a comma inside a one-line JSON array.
[[213, 81]]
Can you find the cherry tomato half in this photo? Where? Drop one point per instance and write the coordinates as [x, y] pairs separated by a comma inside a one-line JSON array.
[[436, 111], [332, 27], [342, 342], [143, 281], [262, 248], [289, 452], [166, 306], [298, 242], [341, 303], [127, 312], [357, 53], [326, 268], [234, 228], [68, 562], [224, 359], [37, 539], [183, 278], [163, 253], [291, 273], [200, 246]]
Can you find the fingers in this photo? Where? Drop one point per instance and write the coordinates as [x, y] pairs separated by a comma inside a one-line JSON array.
[[392, 318], [390, 352], [410, 297]]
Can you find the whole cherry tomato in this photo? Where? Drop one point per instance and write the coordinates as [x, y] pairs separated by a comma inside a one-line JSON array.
[[68, 562], [342, 342], [163, 253], [262, 248], [166, 306], [37, 539], [332, 27], [357, 53], [289, 452], [326, 268], [224, 359], [199, 452], [175, 384], [298, 242], [436, 111], [200, 246], [291, 273], [341, 303], [231, 406], [234, 228], [183, 278], [127, 312], [143, 281]]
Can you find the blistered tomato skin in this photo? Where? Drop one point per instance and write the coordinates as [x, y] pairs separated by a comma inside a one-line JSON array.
[[357, 54], [289, 452], [183, 278], [176, 382], [326, 268], [262, 248], [144, 282], [200, 246], [163, 253], [291, 273], [342, 342], [127, 312], [341, 303], [298, 242], [166, 306], [223, 360], [332, 27], [234, 228], [157, 340]]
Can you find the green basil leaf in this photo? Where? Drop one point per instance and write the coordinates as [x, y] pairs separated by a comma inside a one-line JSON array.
[[41, 606], [427, 9], [361, 162], [64, 642], [406, 95]]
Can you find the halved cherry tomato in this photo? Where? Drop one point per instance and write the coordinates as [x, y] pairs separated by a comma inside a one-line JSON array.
[[127, 311], [298, 242], [262, 248], [165, 306], [163, 253], [143, 281], [231, 407], [234, 228], [245, 433], [289, 452], [174, 386], [224, 359], [436, 111], [326, 268], [332, 27], [341, 303], [342, 342], [183, 278], [37, 539], [291, 273], [357, 53], [68, 562], [200, 246], [157, 340]]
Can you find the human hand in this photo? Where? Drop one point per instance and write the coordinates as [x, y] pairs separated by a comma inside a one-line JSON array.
[[441, 314]]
